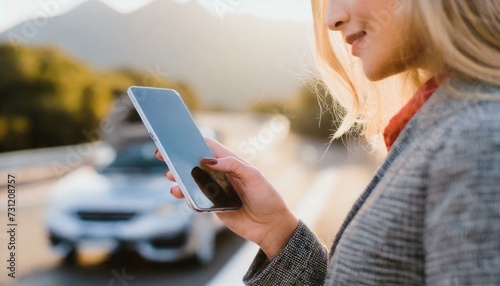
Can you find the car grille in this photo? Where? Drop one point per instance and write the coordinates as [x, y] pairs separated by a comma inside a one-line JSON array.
[[105, 216], [175, 241]]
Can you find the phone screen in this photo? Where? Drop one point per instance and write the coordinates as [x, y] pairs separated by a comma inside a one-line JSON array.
[[182, 146]]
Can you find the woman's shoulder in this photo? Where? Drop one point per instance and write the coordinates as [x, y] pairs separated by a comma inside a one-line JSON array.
[[457, 122], [467, 135], [462, 104], [476, 106]]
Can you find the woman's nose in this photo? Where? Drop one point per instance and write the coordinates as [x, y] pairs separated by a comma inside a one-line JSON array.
[[337, 16]]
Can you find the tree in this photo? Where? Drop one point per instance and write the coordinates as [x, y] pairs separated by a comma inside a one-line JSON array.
[[312, 112], [47, 98]]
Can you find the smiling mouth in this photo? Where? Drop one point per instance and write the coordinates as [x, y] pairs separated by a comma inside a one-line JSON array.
[[356, 41]]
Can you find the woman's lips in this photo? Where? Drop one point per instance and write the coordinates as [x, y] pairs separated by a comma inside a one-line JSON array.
[[357, 45]]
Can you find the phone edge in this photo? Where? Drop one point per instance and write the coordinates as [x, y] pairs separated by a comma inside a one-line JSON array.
[[162, 151]]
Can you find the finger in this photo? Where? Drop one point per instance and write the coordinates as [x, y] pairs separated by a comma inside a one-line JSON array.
[[176, 192], [221, 150], [169, 176], [158, 155], [232, 166]]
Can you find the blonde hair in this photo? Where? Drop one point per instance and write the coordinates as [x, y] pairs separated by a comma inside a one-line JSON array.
[[458, 37]]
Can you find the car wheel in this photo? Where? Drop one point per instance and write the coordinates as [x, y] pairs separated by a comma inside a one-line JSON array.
[[205, 251], [64, 248], [71, 257]]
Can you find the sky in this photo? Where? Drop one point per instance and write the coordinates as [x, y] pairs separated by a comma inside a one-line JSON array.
[[13, 12]]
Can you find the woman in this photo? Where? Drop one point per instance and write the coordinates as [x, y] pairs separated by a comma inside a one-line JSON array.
[[431, 214]]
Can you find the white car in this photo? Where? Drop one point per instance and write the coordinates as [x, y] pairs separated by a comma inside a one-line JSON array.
[[127, 204]]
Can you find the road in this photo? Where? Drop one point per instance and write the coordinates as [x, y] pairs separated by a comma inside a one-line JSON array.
[[291, 163]]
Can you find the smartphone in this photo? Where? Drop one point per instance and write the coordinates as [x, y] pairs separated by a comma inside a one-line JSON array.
[[182, 145]]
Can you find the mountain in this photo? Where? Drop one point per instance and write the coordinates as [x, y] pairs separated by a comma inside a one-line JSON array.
[[230, 61]]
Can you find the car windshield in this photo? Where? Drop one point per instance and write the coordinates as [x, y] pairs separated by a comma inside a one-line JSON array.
[[137, 158]]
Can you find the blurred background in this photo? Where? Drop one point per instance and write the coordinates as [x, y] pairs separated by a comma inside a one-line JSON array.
[[92, 205]]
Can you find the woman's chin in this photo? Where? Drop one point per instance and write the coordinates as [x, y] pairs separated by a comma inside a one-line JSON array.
[[376, 74]]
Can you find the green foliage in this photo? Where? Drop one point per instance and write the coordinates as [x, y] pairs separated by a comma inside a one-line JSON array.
[[48, 98], [155, 80], [311, 113]]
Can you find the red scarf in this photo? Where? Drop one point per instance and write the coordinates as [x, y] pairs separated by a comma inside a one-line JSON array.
[[399, 121]]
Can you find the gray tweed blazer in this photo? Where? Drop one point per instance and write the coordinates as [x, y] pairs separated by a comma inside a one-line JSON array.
[[430, 216]]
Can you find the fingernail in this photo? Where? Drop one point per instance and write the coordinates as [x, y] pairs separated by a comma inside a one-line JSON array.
[[209, 161], [166, 173], [156, 151]]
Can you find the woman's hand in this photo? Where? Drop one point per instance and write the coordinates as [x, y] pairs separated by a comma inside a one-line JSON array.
[[264, 217]]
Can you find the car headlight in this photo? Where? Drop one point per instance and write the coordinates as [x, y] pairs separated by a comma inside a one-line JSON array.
[[165, 210]]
